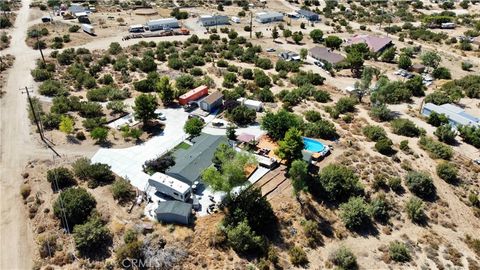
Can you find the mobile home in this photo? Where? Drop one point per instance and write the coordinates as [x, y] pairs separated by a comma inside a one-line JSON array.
[[170, 186]]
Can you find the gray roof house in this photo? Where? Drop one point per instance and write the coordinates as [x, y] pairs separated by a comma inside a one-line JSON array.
[[162, 24], [270, 16], [209, 20], [212, 101], [456, 115], [174, 212], [325, 54], [309, 15], [192, 161]]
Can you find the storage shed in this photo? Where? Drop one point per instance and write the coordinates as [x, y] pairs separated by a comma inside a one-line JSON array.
[[209, 20], [194, 94], [174, 212], [212, 101], [267, 17], [251, 104], [309, 15], [162, 24]]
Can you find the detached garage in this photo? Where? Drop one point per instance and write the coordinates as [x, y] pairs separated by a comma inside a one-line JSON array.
[[174, 212]]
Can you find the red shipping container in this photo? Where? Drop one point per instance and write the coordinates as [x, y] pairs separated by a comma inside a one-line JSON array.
[[194, 94]]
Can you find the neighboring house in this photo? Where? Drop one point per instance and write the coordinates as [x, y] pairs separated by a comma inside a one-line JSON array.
[[209, 20], [193, 95], [267, 17], [326, 55], [456, 115], [190, 163], [174, 212], [375, 43], [170, 186], [162, 24], [250, 103], [212, 101], [309, 15]]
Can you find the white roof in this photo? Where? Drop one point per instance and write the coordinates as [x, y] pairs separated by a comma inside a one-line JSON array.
[[250, 102], [79, 14], [136, 26], [453, 113], [170, 182], [164, 20]]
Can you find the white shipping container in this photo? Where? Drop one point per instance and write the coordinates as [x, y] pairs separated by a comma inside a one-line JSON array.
[[87, 28]]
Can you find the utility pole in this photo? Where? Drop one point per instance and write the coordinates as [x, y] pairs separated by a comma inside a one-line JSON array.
[[40, 48], [251, 24], [34, 113]]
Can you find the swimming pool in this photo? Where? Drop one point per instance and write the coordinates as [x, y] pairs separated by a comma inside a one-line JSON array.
[[312, 145]]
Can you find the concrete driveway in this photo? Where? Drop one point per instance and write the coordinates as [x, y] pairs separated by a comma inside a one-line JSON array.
[[128, 162]]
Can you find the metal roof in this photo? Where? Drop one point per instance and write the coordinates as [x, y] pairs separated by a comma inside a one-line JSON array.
[[306, 13], [174, 207], [375, 43], [192, 161], [454, 113], [162, 21], [210, 99], [269, 14], [219, 18], [325, 54]]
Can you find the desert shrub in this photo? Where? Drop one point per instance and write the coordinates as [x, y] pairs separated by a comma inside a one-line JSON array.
[[243, 240], [405, 127], [345, 104], [321, 96], [381, 113], [436, 119], [421, 184], [129, 253], [159, 164], [297, 256], [25, 190], [74, 206], [122, 190], [73, 28], [384, 146], [442, 73], [91, 236], [52, 88], [263, 63], [40, 75], [343, 258], [446, 134], [470, 134], [354, 213], [447, 171], [339, 182], [99, 174], [50, 120], [60, 178], [380, 208], [435, 149], [395, 183], [399, 252], [320, 129], [242, 115], [374, 133], [312, 232], [414, 210], [312, 116]]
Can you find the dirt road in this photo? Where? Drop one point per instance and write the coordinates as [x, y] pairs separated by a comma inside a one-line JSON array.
[[16, 146]]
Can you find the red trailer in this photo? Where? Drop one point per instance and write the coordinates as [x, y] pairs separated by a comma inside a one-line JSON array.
[[194, 94]]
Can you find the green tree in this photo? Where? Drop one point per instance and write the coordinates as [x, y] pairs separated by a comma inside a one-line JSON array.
[[339, 182], [231, 132], [165, 90], [447, 171], [193, 126], [316, 35], [388, 55], [355, 61], [115, 48], [290, 148], [243, 240], [74, 206], [303, 53], [277, 124], [381, 112], [275, 33], [333, 42], [66, 124], [60, 178], [99, 134], [405, 127], [144, 109], [436, 119], [298, 173], [421, 184], [287, 33], [91, 236], [431, 59], [297, 37], [404, 61], [354, 213]]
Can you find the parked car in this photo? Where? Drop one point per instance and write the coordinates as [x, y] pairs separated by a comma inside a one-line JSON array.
[[270, 50], [477, 161], [217, 124], [190, 107], [320, 64]]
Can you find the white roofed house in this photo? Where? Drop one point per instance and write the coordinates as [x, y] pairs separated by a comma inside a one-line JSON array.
[[170, 186], [251, 104], [267, 17], [209, 20], [162, 24], [456, 115]]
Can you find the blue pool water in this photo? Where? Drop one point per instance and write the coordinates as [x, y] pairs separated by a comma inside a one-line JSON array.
[[312, 145]]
